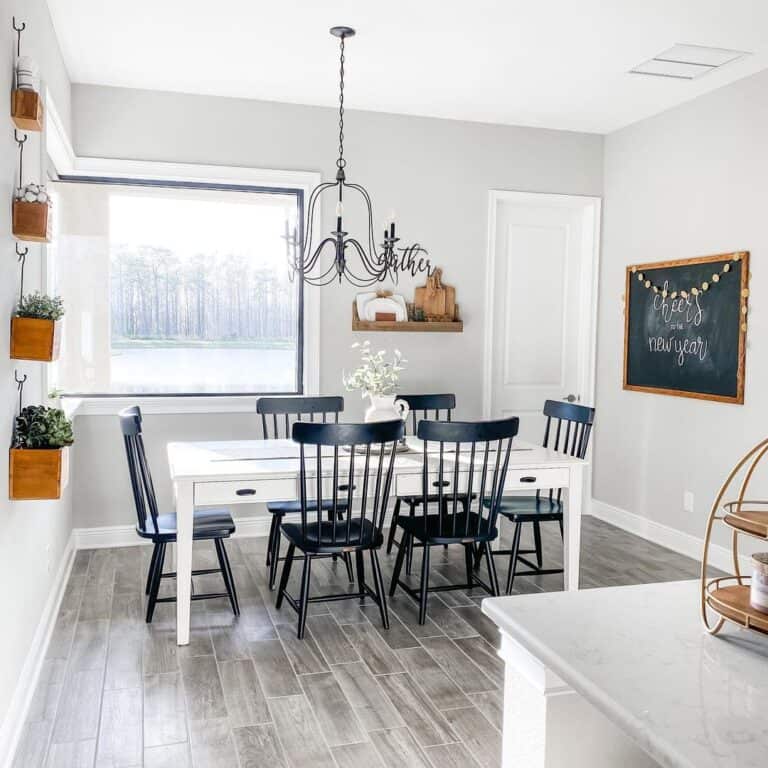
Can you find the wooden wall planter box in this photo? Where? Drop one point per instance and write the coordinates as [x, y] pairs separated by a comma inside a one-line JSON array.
[[27, 110], [32, 221], [35, 339], [35, 474]]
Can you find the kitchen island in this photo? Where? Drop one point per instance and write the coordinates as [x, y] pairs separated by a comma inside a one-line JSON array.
[[627, 676]]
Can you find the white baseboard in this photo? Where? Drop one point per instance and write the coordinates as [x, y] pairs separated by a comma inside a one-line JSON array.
[[15, 717], [678, 541]]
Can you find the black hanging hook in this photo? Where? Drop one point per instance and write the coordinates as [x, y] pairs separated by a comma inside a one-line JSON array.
[[19, 30], [22, 260], [21, 143], [20, 387]]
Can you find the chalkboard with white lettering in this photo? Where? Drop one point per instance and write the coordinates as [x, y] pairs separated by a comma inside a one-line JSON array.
[[685, 326]]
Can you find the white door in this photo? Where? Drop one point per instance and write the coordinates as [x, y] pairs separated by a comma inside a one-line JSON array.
[[541, 304]]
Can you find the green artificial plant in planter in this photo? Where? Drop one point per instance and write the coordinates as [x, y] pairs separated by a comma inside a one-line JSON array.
[[35, 327], [38, 461]]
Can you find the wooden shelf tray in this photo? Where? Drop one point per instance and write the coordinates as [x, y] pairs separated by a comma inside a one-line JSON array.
[[751, 517], [412, 326], [732, 603]]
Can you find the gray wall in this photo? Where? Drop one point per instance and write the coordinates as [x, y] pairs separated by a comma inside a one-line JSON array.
[[685, 183], [435, 173], [34, 534]]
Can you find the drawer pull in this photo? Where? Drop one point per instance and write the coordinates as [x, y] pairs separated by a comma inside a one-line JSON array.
[[528, 479], [246, 491], [441, 483]]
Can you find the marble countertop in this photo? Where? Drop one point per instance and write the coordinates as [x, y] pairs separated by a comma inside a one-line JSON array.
[[641, 656]]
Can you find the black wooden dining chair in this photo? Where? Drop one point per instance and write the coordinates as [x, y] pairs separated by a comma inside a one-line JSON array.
[[568, 428], [212, 524], [278, 414], [437, 407], [364, 455], [469, 459]]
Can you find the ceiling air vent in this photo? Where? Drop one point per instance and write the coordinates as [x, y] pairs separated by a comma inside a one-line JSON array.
[[687, 62]]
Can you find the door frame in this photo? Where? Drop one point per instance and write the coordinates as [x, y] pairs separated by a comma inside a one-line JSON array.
[[587, 340]]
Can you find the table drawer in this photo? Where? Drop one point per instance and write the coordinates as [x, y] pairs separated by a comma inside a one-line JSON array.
[[517, 479], [246, 491]]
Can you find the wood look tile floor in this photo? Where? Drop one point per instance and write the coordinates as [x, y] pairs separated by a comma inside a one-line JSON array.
[[118, 693]]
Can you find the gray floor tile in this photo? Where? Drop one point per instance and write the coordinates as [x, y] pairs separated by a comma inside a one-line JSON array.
[[258, 747], [202, 688], [165, 718], [300, 735], [168, 756], [273, 668], [372, 707], [451, 756], [478, 735], [357, 756], [424, 719], [243, 695], [430, 677], [399, 749], [120, 731], [379, 657], [72, 754], [212, 745], [459, 666], [332, 709]]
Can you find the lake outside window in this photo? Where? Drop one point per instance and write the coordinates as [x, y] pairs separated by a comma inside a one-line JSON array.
[[176, 290]]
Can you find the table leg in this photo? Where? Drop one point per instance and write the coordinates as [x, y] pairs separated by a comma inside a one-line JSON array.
[[572, 527], [549, 725], [184, 522]]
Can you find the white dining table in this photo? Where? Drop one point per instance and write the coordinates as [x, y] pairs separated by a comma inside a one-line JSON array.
[[226, 473]]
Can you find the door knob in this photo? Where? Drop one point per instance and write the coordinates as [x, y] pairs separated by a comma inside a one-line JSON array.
[[572, 398]]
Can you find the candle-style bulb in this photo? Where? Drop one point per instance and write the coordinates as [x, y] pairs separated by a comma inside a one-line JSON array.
[[392, 216], [339, 208]]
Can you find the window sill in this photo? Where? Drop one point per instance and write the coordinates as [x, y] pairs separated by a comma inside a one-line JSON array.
[[111, 406]]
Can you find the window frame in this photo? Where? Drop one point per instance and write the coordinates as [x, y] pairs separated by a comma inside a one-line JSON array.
[[65, 166]]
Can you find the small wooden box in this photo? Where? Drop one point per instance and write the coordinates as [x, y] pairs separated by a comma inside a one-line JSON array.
[[32, 221], [35, 474], [33, 338], [27, 110]]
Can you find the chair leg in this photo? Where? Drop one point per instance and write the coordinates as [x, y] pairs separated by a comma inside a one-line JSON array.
[[378, 582], [151, 572], [560, 520], [485, 547], [424, 586], [155, 583], [468, 560], [409, 557], [271, 540], [399, 563], [274, 556], [513, 558], [360, 563], [348, 563], [537, 542], [226, 574], [304, 596], [287, 563], [393, 525]]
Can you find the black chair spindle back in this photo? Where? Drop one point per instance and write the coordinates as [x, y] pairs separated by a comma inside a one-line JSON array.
[[429, 406], [280, 413], [141, 479], [376, 443]]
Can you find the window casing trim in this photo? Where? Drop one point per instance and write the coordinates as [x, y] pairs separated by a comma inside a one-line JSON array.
[[67, 164]]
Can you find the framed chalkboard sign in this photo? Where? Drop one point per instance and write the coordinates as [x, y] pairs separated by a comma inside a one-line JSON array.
[[685, 326]]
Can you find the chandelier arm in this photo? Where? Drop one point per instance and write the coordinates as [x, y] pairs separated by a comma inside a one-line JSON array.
[[313, 198], [309, 265], [371, 237], [376, 274]]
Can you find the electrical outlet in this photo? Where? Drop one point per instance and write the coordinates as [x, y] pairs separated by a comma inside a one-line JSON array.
[[688, 501]]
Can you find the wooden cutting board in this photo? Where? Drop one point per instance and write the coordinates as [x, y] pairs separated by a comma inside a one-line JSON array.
[[436, 299]]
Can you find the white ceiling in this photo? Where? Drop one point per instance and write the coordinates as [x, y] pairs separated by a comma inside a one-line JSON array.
[[551, 63]]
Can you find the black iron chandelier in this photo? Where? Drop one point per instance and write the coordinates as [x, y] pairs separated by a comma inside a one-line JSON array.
[[305, 256]]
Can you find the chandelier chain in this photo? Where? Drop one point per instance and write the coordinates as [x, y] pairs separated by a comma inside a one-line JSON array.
[[341, 162]]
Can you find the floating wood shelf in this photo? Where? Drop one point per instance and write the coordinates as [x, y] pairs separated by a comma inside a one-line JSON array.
[[407, 326], [732, 603]]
